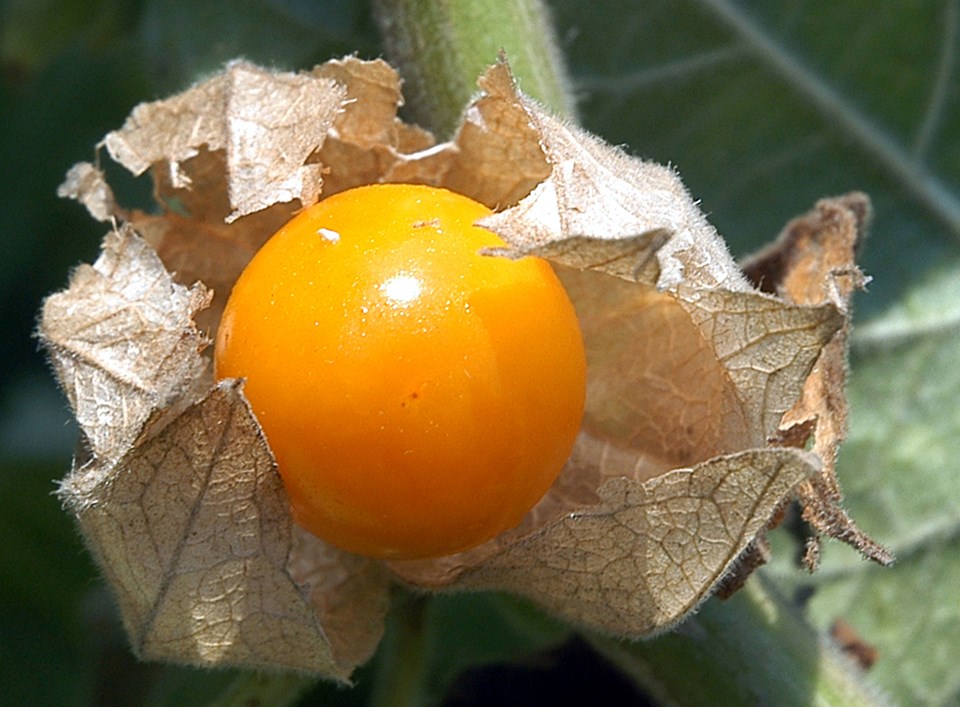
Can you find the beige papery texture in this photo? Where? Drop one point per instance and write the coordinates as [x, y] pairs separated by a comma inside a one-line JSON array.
[[682, 460]]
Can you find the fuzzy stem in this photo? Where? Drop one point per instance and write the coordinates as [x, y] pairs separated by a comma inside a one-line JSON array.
[[275, 689], [400, 680], [442, 46], [754, 648]]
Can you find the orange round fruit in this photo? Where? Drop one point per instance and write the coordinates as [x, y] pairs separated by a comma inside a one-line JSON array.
[[419, 396]]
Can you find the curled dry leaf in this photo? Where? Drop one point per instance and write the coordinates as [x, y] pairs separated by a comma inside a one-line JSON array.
[[814, 261], [682, 460], [266, 125]]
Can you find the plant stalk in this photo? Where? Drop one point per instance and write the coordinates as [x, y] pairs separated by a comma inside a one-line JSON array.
[[401, 667], [275, 689], [753, 649], [441, 47]]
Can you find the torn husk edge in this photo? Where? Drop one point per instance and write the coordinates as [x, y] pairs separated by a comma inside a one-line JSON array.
[[692, 370]]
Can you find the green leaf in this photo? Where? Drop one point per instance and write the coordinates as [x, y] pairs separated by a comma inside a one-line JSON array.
[[764, 108], [468, 630], [33, 32], [185, 40], [432, 640], [901, 481], [44, 578]]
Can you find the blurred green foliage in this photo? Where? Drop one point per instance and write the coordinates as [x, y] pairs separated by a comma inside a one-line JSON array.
[[763, 108]]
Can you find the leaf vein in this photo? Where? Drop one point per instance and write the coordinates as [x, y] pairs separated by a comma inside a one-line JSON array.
[[911, 175], [933, 116]]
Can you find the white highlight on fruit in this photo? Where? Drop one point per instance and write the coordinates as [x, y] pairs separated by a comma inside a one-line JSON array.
[[401, 289]]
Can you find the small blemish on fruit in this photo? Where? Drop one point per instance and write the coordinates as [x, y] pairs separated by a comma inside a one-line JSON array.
[[435, 222]]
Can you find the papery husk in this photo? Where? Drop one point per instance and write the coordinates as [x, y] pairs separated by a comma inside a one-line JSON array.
[[691, 371], [812, 262]]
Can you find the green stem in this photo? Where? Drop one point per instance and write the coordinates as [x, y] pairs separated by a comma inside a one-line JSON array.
[[401, 660], [275, 689], [754, 648], [442, 46]]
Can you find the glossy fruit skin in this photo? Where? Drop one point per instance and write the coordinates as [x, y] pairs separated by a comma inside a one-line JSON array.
[[419, 397]]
